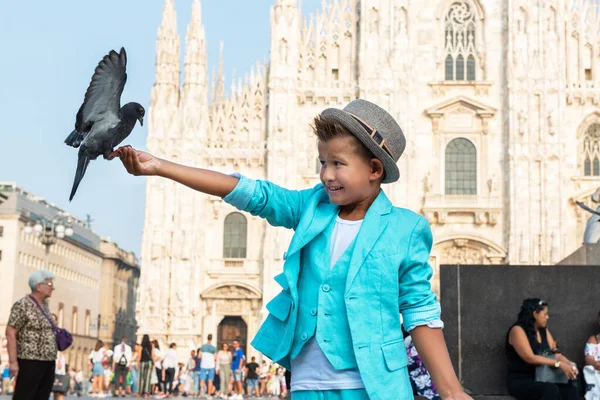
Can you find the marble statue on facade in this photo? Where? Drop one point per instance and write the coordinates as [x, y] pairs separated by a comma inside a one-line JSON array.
[[592, 229]]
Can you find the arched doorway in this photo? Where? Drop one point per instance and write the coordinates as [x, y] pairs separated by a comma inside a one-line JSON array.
[[232, 311], [464, 250], [231, 328]]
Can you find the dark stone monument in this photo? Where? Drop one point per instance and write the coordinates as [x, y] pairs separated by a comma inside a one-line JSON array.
[[588, 254], [480, 303]]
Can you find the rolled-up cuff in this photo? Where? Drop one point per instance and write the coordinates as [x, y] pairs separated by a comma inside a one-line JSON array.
[[435, 324], [242, 193], [421, 316]]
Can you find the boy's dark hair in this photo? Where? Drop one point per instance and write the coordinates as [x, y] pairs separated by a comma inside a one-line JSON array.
[[209, 336], [326, 129]]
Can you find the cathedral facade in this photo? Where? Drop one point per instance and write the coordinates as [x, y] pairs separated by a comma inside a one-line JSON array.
[[499, 102]]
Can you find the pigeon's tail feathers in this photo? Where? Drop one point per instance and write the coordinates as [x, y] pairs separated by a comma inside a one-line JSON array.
[[74, 139], [82, 163]]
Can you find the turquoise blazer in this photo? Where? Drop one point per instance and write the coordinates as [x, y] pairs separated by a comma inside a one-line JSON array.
[[388, 276]]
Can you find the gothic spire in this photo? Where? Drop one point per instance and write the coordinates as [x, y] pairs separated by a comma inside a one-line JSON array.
[[195, 79], [220, 83], [165, 92], [195, 84], [167, 47]]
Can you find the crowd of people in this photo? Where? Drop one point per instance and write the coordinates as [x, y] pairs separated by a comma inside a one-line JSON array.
[[142, 371], [146, 371]]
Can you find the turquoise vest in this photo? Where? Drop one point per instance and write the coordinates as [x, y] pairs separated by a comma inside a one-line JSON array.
[[321, 303]]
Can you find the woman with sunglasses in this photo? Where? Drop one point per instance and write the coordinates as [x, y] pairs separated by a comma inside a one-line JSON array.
[[31, 341], [526, 341]]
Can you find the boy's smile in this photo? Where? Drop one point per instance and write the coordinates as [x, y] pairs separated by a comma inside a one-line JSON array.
[[348, 176]]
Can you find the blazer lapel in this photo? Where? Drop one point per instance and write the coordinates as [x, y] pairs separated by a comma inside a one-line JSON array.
[[374, 223], [324, 213]]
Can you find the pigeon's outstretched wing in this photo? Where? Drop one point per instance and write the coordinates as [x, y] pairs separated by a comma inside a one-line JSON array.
[[103, 96]]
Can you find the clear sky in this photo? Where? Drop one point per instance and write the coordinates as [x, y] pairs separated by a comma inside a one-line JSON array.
[[49, 50]]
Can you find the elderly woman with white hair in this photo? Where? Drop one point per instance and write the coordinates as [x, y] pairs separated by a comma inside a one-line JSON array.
[[32, 345]]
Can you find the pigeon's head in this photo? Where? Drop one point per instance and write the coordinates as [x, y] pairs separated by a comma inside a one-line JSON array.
[[134, 110]]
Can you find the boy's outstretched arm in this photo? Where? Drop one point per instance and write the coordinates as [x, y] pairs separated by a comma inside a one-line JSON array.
[[280, 206], [432, 349], [211, 182]]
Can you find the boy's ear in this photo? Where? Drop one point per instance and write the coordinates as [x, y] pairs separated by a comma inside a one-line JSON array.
[[376, 169]]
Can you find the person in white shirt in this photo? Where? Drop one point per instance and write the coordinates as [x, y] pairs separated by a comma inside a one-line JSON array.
[[157, 357], [191, 364], [169, 364], [78, 382], [122, 356], [97, 356], [60, 370]]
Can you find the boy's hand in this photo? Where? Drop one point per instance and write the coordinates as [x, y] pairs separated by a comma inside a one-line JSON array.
[[137, 162]]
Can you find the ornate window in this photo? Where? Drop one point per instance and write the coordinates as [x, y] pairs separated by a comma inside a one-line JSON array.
[[234, 240], [461, 167], [591, 151], [459, 42]]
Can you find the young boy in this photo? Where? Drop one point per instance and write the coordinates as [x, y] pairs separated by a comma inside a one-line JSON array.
[[354, 262]]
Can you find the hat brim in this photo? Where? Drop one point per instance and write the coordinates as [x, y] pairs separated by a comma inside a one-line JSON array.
[[392, 174]]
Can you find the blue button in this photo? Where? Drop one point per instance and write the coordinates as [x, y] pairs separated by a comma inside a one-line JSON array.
[[313, 312], [304, 336], [326, 288]]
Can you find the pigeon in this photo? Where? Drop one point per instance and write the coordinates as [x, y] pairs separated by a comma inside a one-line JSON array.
[[101, 122]]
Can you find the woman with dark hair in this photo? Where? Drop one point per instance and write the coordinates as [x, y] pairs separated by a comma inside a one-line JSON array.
[[145, 354], [526, 341], [98, 357], [591, 371]]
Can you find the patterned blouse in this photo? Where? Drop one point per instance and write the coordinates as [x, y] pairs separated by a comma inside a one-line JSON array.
[[35, 337]]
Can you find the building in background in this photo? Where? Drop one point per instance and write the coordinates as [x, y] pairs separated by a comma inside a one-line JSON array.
[[80, 266], [499, 103], [118, 294]]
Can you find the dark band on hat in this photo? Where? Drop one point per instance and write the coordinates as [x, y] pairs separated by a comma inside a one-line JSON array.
[[374, 135]]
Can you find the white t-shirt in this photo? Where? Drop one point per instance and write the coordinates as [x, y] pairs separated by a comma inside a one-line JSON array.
[[158, 355], [312, 369], [208, 352], [97, 356], [344, 233], [122, 350], [60, 359], [170, 360]]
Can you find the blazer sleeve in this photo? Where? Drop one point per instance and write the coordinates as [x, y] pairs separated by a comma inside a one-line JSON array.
[[279, 206], [417, 302]]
